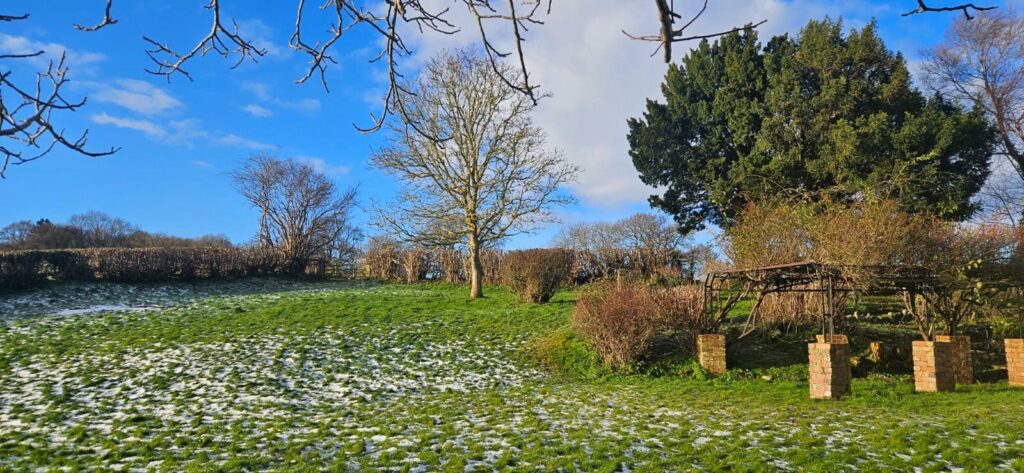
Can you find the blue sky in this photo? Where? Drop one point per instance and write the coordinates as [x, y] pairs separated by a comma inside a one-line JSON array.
[[179, 139]]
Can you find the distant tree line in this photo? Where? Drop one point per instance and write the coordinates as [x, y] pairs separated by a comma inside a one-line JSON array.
[[95, 230]]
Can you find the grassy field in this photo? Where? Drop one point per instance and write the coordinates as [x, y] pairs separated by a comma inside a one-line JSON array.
[[311, 376]]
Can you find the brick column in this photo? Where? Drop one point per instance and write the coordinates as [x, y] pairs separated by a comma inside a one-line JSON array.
[[829, 367], [963, 367], [835, 338], [1015, 360], [711, 353], [933, 366]]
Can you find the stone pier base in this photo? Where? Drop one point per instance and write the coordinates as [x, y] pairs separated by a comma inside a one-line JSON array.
[[711, 353], [933, 366], [963, 367], [829, 366], [1015, 360]]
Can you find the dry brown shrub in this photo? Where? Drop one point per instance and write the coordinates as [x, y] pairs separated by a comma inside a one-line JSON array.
[[767, 235], [535, 275], [449, 263], [623, 321], [381, 264], [416, 264]]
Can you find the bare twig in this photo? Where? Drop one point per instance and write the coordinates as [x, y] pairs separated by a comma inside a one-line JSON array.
[[965, 8], [667, 17], [26, 126], [107, 20], [13, 17], [349, 14], [217, 40]]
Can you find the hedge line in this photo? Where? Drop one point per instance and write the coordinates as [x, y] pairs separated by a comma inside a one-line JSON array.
[[446, 264], [25, 269]]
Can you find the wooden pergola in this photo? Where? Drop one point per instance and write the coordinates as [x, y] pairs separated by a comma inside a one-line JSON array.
[[724, 289]]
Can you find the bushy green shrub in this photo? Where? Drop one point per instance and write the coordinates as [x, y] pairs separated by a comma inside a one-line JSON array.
[[535, 275], [622, 321]]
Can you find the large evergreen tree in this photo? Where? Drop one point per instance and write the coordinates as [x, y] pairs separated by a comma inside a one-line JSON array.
[[818, 114]]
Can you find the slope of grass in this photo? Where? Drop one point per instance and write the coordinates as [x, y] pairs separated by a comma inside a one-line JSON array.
[[325, 376]]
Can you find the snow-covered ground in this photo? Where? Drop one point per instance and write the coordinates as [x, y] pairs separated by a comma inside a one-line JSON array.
[[88, 298], [258, 375]]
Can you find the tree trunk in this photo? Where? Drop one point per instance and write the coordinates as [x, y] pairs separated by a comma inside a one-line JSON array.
[[476, 271]]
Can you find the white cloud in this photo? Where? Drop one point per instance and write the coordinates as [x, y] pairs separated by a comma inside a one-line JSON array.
[[235, 141], [323, 166], [185, 132], [10, 44], [202, 164], [262, 92], [301, 105], [599, 78], [259, 89], [151, 129], [260, 35], [257, 110], [137, 96]]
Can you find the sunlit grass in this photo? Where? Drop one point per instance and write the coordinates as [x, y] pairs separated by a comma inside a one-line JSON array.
[[314, 376]]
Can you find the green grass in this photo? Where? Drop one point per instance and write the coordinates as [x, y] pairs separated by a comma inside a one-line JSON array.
[[326, 376]]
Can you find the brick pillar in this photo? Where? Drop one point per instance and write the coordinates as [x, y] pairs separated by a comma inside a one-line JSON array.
[[835, 338], [963, 367], [829, 367], [1015, 360], [711, 353], [933, 366]]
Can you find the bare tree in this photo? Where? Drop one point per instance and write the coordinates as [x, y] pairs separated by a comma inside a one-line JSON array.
[[650, 232], [982, 62], [1002, 199], [494, 177], [303, 214], [102, 230], [15, 236]]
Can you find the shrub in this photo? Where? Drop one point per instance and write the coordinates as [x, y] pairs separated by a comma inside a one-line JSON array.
[[622, 322], [535, 275]]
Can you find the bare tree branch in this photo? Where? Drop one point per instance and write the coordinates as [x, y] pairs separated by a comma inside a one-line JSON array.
[[13, 17], [667, 17], [27, 132], [218, 40], [107, 20], [349, 14], [965, 8]]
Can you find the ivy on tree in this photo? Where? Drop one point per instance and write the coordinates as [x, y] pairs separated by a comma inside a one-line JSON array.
[[819, 114]]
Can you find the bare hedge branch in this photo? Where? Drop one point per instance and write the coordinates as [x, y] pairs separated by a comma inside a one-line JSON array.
[[107, 20], [26, 114], [965, 8]]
